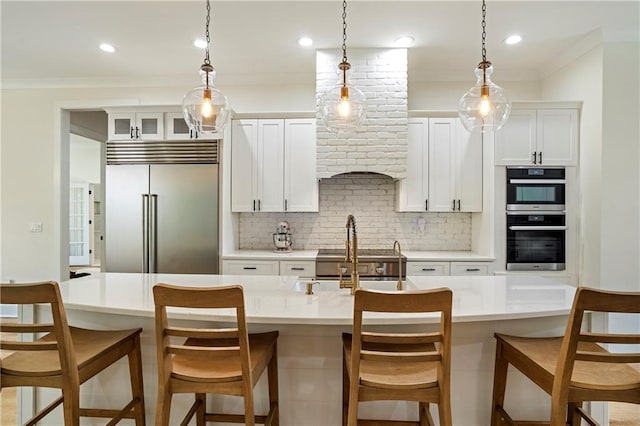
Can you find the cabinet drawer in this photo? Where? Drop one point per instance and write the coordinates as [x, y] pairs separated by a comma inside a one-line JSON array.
[[427, 268], [302, 268], [470, 268], [250, 267]]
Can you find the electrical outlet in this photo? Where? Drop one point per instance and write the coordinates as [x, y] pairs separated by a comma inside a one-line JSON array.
[[35, 227]]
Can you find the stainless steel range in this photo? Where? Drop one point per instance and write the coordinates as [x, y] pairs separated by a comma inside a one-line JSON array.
[[373, 264]]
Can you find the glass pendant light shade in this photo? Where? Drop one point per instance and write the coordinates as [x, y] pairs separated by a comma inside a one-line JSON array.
[[485, 106], [343, 108], [206, 109]]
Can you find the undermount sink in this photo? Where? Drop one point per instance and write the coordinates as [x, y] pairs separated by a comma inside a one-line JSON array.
[[333, 285]]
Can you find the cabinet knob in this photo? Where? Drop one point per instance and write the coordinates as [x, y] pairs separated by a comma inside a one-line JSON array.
[[540, 157], [534, 158], [429, 269], [473, 269]]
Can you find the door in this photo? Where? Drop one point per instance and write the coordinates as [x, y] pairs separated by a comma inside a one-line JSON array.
[[300, 181], [79, 219], [442, 139], [557, 137], [244, 157], [415, 188], [270, 165], [126, 187], [516, 140], [184, 207], [468, 169]]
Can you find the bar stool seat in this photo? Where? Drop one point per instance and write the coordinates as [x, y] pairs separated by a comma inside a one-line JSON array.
[[66, 357], [574, 368], [201, 360], [399, 365]]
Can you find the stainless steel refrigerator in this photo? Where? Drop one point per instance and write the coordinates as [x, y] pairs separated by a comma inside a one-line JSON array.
[[162, 207]]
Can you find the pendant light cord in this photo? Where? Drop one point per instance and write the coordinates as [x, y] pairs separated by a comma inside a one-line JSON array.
[[206, 32], [344, 31], [484, 31]]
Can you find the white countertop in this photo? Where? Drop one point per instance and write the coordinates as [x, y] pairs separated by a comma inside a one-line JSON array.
[[412, 255], [270, 299]]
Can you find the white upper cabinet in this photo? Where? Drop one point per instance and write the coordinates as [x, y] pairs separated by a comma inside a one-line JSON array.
[[273, 165], [244, 165], [444, 168], [135, 126], [300, 180], [413, 191], [547, 137], [270, 190], [442, 164], [176, 128]]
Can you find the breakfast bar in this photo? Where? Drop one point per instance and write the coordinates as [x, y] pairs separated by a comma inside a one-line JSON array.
[[310, 326]]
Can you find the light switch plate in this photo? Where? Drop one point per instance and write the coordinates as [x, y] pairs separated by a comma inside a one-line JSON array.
[[35, 227]]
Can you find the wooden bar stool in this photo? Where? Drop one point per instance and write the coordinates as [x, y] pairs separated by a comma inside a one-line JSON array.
[[574, 368], [65, 357], [226, 361], [398, 366]]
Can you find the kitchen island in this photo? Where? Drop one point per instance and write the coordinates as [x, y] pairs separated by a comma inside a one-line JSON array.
[[310, 352]]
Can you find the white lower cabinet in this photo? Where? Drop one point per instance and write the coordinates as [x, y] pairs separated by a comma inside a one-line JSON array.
[[471, 268], [250, 267], [449, 268], [427, 268], [301, 268]]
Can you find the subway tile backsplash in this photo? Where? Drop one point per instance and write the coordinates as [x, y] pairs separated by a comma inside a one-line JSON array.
[[370, 198]]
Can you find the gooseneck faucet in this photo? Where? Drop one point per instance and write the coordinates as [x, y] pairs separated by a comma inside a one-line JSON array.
[[396, 243], [351, 255]]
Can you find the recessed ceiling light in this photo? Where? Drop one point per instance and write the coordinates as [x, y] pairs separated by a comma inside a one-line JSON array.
[[513, 39], [305, 41], [404, 41], [106, 47], [200, 43]]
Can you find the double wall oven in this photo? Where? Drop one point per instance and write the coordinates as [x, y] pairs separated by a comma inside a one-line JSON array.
[[536, 219]]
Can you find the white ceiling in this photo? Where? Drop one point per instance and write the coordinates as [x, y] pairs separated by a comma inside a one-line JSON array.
[[56, 42]]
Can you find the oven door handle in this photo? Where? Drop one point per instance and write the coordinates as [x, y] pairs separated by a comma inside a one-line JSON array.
[[539, 181], [537, 228]]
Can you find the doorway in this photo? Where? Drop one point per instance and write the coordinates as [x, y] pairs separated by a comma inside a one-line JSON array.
[[88, 134]]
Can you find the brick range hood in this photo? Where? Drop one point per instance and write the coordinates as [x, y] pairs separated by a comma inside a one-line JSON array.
[[380, 144]]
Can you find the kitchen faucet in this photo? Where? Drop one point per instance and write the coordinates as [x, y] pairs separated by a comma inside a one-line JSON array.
[[351, 255], [396, 243]]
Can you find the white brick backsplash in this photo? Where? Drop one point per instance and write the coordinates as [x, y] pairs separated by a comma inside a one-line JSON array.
[[381, 74], [370, 198]]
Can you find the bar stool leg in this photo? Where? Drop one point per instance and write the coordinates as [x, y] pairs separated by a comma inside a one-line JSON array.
[[137, 387], [163, 409], [345, 393], [499, 385], [201, 399], [272, 376], [71, 405]]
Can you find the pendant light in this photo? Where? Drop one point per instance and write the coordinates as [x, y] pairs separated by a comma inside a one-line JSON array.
[[343, 107], [206, 109], [485, 105]]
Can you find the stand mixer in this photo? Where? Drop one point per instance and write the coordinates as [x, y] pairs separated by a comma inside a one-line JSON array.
[[282, 238]]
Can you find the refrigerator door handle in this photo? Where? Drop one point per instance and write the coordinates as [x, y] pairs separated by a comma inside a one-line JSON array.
[[145, 233], [153, 234]]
